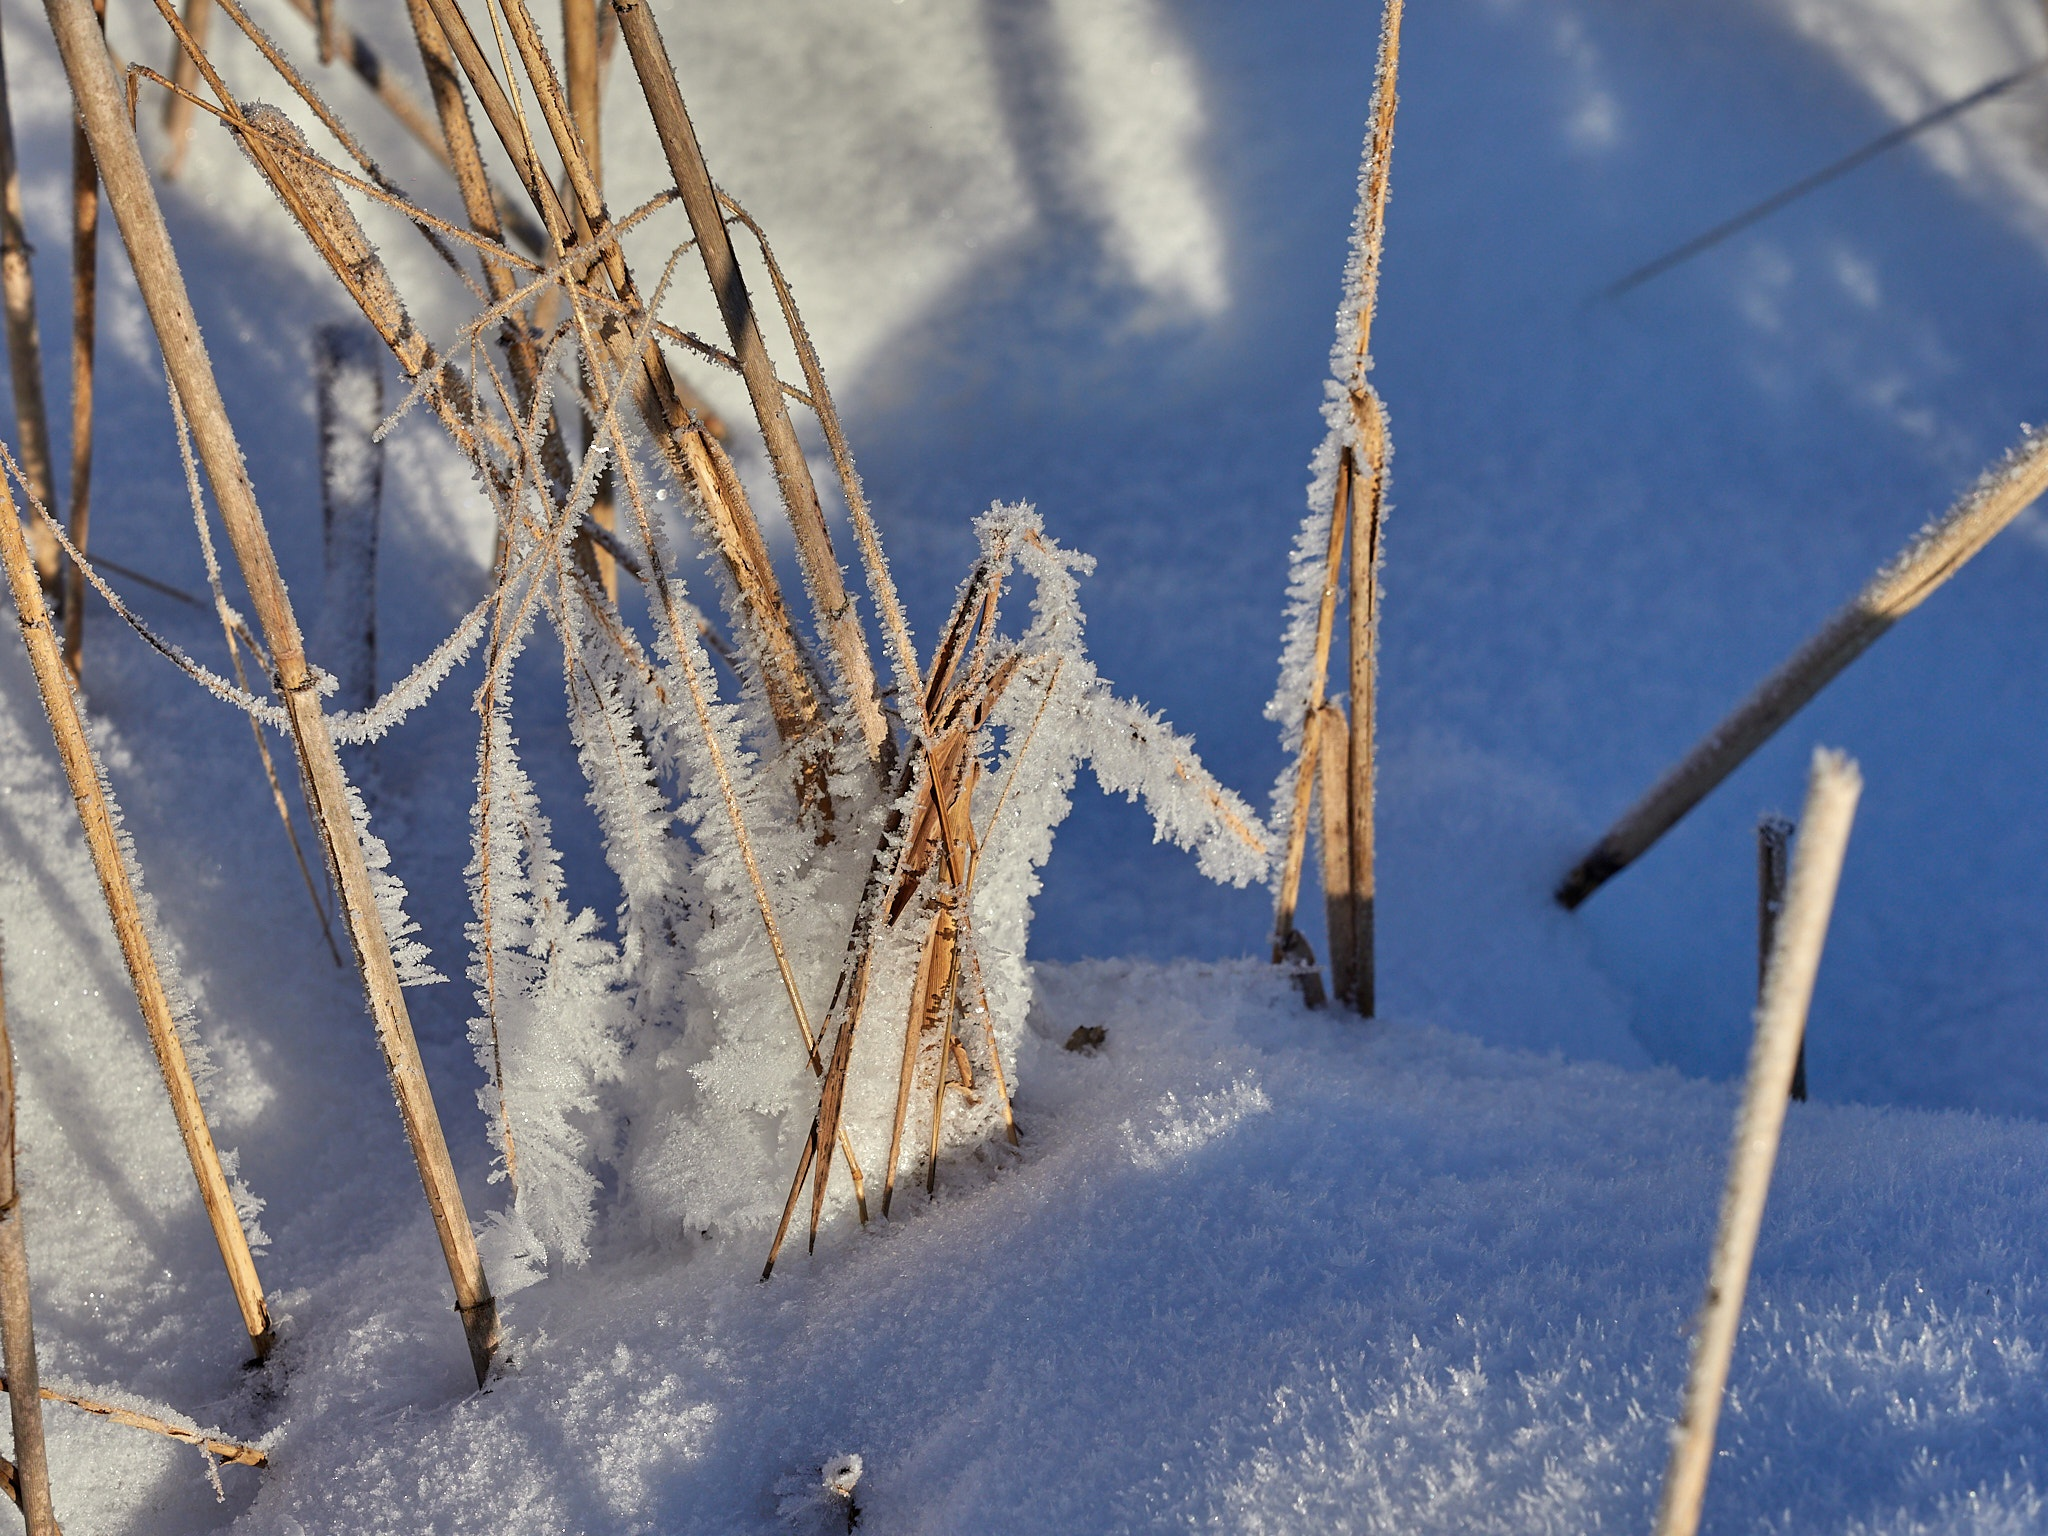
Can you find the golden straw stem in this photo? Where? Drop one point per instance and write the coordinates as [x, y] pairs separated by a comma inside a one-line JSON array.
[[74, 751], [101, 102], [17, 1323]]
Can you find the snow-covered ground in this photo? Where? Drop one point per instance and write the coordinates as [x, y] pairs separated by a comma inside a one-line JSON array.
[[1253, 1269]]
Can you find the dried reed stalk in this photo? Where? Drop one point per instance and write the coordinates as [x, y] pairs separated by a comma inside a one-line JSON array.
[[74, 751], [85, 253], [100, 99], [955, 711], [369, 66], [1334, 770], [220, 1450], [178, 105], [17, 1322], [25, 349], [1832, 790], [580, 62], [880, 583], [836, 616], [1773, 851], [685, 441], [1935, 554], [1370, 477]]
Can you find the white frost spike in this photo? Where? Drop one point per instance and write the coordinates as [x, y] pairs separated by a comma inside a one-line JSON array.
[[408, 953], [549, 1030], [248, 1204], [612, 716]]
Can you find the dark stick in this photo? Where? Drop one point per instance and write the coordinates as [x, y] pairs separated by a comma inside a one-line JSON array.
[[1773, 852], [85, 260], [1820, 178]]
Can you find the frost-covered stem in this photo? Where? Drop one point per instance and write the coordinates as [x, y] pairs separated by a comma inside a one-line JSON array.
[[836, 615], [88, 791], [1935, 554], [102, 104], [481, 202], [185, 76], [683, 637], [1372, 232], [881, 585], [1773, 848], [1305, 764], [1832, 790], [680, 429], [1332, 735], [388, 88], [85, 251], [351, 387], [17, 1323], [25, 348], [220, 1450], [1369, 479]]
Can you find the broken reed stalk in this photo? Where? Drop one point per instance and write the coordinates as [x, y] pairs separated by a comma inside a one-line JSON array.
[[1773, 852], [1334, 769], [1285, 945], [177, 109], [85, 260], [836, 616], [74, 751], [941, 763], [25, 349], [102, 104], [1832, 790], [220, 1450], [1935, 554], [1370, 480], [17, 1323]]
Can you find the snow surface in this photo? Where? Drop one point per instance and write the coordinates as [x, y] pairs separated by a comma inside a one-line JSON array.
[[1253, 1270]]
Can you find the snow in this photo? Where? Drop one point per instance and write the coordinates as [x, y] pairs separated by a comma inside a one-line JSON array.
[[1251, 1269]]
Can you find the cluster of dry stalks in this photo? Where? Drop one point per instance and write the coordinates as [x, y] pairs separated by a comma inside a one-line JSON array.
[[725, 817]]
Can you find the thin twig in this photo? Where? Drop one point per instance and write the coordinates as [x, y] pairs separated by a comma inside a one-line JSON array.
[[233, 1451], [1757, 212]]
